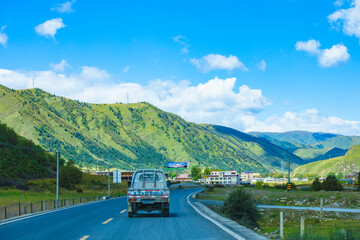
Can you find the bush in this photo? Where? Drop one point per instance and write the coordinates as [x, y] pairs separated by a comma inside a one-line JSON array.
[[210, 187], [217, 185], [240, 206], [331, 184], [70, 175], [259, 184], [316, 185]]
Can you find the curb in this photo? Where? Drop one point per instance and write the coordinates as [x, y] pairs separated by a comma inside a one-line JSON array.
[[231, 227]]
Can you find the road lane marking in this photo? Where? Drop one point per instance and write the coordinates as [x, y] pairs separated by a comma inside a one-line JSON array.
[[31, 215], [107, 221], [84, 237], [123, 211], [236, 236]]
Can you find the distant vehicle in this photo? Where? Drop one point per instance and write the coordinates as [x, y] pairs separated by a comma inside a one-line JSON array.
[[148, 192]]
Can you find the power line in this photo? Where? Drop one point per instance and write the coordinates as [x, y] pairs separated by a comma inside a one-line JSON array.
[[28, 148]]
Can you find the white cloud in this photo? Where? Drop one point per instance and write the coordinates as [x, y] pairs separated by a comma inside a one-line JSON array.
[[333, 56], [308, 120], [216, 101], [311, 46], [262, 65], [218, 62], [60, 67], [50, 27], [349, 19], [182, 41], [65, 7], [126, 69], [339, 3], [3, 36], [94, 73], [326, 57]]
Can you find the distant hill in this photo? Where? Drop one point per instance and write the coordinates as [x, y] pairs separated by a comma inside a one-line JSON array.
[[18, 164], [311, 146], [130, 136], [347, 164]]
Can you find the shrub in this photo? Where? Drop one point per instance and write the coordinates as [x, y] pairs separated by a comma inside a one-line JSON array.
[[217, 185], [259, 184], [316, 185], [70, 175], [210, 187], [240, 206], [331, 184]]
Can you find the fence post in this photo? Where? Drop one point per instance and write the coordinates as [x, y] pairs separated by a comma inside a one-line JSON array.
[[5, 213], [321, 208], [24, 208], [281, 225], [19, 209], [302, 226], [42, 205], [31, 209]]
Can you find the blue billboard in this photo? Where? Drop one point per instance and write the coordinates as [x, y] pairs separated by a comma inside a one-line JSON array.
[[176, 165]]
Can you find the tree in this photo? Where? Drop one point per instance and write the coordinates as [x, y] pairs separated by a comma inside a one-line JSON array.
[[70, 175], [331, 184], [207, 171], [316, 185], [340, 176], [240, 206], [195, 173]]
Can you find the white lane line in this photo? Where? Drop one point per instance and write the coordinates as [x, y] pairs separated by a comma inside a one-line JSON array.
[[236, 236], [84, 237], [19, 218], [107, 221], [123, 211]]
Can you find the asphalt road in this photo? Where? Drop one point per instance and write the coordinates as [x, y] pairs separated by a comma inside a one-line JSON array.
[[108, 220]]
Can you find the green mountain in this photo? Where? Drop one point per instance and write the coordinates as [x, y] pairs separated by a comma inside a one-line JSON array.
[[311, 146], [347, 164], [18, 164], [129, 135]]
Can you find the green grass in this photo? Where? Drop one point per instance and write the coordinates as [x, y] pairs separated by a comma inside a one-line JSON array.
[[330, 226], [347, 164], [45, 189], [136, 135]]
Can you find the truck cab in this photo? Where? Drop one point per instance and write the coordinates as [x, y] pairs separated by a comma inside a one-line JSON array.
[[148, 192]]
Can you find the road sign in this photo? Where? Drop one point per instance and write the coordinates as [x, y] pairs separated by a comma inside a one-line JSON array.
[[288, 186], [117, 176], [205, 176]]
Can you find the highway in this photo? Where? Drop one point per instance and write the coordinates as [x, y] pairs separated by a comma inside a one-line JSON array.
[[108, 220]]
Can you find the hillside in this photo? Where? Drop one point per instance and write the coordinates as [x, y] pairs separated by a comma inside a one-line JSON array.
[[18, 164], [129, 135], [347, 164], [311, 146]]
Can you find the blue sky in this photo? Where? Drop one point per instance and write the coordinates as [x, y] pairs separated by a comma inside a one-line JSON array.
[[251, 65]]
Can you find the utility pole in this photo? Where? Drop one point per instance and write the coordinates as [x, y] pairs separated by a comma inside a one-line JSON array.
[[57, 178], [117, 182], [108, 177], [289, 170]]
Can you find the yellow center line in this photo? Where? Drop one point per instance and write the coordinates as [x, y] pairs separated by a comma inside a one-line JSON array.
[[107, 221], [123, 211], [84, 237]]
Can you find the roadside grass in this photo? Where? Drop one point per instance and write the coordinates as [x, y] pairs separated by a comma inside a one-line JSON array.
[[272, 196], [45, 189], [334, 225]]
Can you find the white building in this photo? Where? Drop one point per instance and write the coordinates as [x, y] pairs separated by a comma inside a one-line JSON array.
[[223, 177]]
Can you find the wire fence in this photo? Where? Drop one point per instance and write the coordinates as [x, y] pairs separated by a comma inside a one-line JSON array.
[[19, 209]]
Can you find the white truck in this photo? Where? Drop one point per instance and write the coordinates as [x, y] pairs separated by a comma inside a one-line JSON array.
[[148, 192]]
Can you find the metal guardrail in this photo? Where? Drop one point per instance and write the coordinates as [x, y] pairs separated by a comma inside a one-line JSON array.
[[18, 209]]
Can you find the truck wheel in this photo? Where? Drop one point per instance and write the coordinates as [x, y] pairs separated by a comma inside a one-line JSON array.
[[130, 214]]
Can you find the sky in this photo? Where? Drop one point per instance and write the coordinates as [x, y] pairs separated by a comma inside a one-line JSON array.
[[252, 65]]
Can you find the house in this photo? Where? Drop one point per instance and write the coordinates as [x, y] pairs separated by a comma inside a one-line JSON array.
[[184, 177], [248, 176], [223, 177]]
